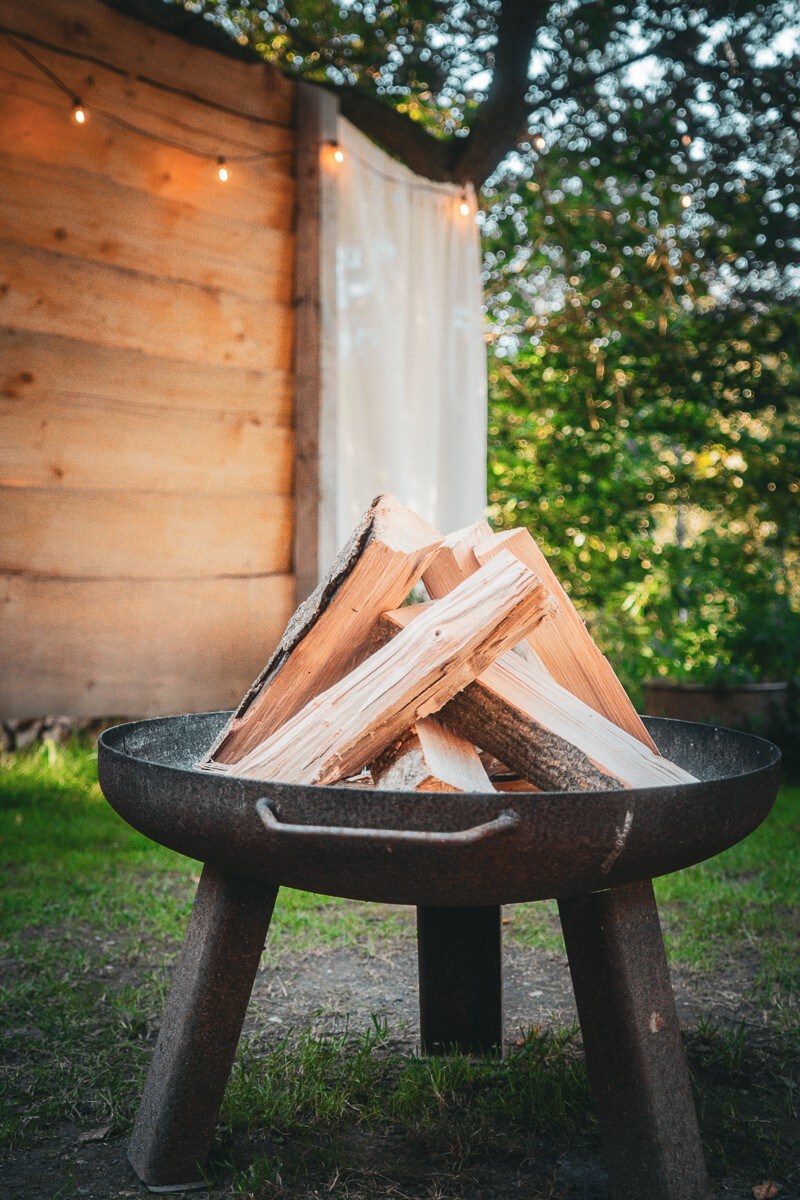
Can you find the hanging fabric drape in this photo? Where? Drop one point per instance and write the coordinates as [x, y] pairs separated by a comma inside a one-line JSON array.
[[411, 407]]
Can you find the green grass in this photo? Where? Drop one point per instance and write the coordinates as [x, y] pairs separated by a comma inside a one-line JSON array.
[[317, 1097], [748, 897], [91, 916]]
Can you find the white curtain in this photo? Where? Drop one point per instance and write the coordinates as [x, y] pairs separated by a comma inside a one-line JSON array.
[[411, 409]]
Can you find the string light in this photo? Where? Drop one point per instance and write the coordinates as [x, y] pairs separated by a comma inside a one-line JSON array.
[[539, 142], [80, 115], [686, 201]]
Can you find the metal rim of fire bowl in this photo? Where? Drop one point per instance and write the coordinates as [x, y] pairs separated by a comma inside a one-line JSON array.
[[437, 848]]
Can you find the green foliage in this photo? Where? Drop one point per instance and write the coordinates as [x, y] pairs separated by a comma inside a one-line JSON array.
[[85, 979], [672, 89], [641, 271], [645, 422]]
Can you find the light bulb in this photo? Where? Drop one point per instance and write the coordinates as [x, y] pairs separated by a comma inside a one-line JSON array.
[[540, 143], [686, 201], [79, 113], [463, 208], [338, 154], [222, 171]]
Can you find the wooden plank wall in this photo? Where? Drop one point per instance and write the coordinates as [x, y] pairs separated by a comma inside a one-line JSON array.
[[146, 448], [315, 342]]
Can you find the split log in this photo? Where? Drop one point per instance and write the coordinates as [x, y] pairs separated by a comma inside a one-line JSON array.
[[565, 646], [544, 733], [330, 633], [453, 561], [431, 758], [410, 677]]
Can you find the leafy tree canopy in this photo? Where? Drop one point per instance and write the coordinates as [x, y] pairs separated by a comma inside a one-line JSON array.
[[640, 219], [708, 95]]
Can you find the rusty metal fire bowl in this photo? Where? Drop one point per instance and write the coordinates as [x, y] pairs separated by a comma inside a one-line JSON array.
[[457, 858]]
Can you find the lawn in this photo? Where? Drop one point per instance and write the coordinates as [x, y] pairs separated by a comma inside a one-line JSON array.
[[92, 917]]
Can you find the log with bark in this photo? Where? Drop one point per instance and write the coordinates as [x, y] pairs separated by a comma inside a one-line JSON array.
[[411, 676], [565, 647], [350, 694], [544, 733], [331, 631]]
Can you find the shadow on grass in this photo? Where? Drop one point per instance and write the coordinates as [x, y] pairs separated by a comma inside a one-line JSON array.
[[92, 915]]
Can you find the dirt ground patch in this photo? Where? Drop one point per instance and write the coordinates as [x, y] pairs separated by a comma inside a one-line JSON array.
[[331, 989]]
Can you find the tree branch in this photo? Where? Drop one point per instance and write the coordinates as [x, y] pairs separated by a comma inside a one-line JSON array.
[[503, 117]]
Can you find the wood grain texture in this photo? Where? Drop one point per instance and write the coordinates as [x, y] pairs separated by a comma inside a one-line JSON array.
[[35, 123], [340, 730], [45, 291], [331, 632], [516, 711], [315, 339], [38, 367], [106, 534], [89, 447], [161, 112], [430, 758], [106, 647], [56, 208], [566, 647], [146, 389], [454, 561], [139, 50]]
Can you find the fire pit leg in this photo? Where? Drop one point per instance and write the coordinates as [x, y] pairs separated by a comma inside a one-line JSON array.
[[460, 979], [200, 1030], [634, 1052]]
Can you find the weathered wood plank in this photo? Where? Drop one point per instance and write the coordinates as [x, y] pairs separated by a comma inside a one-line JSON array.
[[38, 367], [47, 292], [164, 114], [146, 381], [56, 208], [143, 51], [340, 730], [89, 446], [103, 647], [61, 533], [331, 632], [36, 124], [566, 647], [315, 341]]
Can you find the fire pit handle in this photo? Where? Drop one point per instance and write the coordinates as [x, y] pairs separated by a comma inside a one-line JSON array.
[[507, 821]]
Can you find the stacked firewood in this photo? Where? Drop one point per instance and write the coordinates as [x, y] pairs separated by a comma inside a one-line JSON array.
[[494, 683]]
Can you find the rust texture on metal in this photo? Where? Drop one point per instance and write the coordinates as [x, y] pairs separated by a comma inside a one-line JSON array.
[[200, 1028], [634, 1052], [460, 979], [566, 843], [457, 857], [506, 822]]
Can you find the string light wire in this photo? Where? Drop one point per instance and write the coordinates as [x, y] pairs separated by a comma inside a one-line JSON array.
[[81, 111], [432, 186]]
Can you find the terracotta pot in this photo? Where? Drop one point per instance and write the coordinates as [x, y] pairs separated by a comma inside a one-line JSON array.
[[757, 707]]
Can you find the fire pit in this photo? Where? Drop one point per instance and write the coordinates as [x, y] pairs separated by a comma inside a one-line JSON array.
[[457, 857]]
